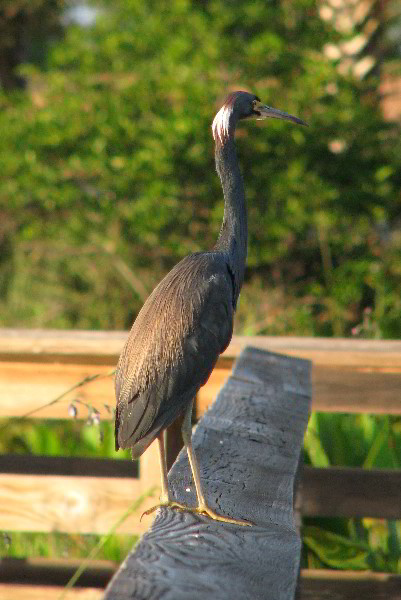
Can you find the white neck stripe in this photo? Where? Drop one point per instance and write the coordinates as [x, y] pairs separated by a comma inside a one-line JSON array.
[[221, 123]]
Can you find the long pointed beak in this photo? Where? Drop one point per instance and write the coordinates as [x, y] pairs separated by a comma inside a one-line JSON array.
[[264, 112]]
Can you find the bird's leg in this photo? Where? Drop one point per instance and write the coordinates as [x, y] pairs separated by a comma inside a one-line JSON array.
[[165, 496], [161, 441], [202, 507]]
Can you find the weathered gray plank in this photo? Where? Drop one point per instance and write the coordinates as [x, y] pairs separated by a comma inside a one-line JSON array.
[[248, 445]]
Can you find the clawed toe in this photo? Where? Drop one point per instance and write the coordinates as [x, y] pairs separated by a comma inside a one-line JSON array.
[[202, 509], [164, 505], [208, 512]]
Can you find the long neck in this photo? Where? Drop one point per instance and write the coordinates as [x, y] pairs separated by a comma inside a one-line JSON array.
[[233, 237]]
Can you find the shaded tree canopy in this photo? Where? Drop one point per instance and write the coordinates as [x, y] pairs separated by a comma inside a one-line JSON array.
[[26, 26]]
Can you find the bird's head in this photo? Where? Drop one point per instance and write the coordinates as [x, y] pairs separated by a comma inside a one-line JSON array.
[[243, 105]]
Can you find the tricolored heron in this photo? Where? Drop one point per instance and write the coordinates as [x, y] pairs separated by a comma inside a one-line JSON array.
[[187, 321]]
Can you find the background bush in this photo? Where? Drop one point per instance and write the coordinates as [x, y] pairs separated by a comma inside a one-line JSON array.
[[107, 171]]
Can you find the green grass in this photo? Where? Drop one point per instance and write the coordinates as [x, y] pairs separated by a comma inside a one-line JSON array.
[[19, 544], [70, 437]]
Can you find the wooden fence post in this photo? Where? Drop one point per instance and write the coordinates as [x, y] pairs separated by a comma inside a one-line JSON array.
[[248, 445]]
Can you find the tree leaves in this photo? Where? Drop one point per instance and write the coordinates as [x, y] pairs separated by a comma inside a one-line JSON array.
[[113, 140]]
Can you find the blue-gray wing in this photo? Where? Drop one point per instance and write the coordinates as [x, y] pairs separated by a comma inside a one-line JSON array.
[[172, 348]]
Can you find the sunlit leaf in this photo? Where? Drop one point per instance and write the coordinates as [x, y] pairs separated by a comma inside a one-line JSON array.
[[337, 551]]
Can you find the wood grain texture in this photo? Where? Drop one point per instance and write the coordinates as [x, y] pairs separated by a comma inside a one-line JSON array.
[[248, 446], [77, 504], [31, 503], [324, 584], [43, 592], [357, 389], [338, 388], [104, 347], [38, 365], [25, 387], [346, 492], [54, 345], [316, 584], [68, 504], [332, 352], [336, 491]]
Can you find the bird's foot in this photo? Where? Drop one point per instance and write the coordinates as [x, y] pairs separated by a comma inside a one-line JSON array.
[[202, 509], [164, 504]]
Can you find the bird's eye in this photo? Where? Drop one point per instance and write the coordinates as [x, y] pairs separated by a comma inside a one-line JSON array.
[[254, 108]]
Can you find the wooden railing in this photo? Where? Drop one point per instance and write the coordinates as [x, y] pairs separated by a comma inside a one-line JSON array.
[[82, 495], [249, 445], [348, 375]]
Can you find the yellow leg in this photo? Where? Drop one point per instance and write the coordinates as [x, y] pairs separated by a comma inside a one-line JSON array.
[[161, 441], [202, 507], [165, 496]]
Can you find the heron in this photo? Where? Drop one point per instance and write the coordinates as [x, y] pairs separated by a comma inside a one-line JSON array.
[[187, 321]]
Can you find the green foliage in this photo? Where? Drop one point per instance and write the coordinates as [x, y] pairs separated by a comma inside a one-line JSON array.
[[107, 174], [337, 551], [368, 441], [365, 441], [50, 545], [369, 545], [74, 437]]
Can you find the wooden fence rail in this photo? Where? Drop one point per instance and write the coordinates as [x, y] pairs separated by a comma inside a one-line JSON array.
[[89, 495], [56, 493], [347, 375], [248, 445], [316, 584]]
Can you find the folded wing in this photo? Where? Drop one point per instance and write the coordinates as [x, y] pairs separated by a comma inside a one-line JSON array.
[[172, 348]]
